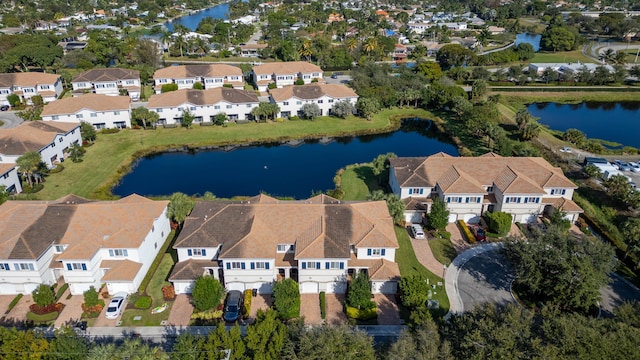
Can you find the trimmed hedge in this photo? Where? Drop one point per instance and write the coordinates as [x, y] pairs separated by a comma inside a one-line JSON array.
[[14, 302], [323, 305], [207, 315], [143, 302], [246, 307], [466, 232], [364, 314], [44, 318], [61, 291]]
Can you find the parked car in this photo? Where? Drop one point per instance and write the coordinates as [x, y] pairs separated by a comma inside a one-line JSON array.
[[115, 307], [232, 306], [479, 233], [566, 149], [416, 231], [634, 167], [4, 107], [621, 165]]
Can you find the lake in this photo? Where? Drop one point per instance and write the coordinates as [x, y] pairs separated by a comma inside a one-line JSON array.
[[533, 39], [192, 21], [294, 170], [619, 122]]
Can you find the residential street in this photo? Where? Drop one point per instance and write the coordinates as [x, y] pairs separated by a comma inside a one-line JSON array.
[[10, 119]]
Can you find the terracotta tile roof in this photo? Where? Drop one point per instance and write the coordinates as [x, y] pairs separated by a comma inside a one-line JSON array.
[[563, 204], [312, 91], [5, 168], [510, 174], [290, 67], [253, 46], [202, 97], [95, 102], [384, 270], [103, 75], [286, 259], [31, 136], [193, 71], [190, 269], [27, 79], [321, 227], [120, 270], [415, 203]]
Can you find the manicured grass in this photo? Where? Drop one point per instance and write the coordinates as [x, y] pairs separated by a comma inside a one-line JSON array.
[[518, 99], [42, 319], [358, 181], [442, 250], [560, 57], [409, 265], [155, 291], [112, 154]]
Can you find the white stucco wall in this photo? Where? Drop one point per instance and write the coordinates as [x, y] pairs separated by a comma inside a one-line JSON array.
[[99, 119], [389, 254], [11, 180], [325, 103], [247, 278], [58, 146], [241, 110]]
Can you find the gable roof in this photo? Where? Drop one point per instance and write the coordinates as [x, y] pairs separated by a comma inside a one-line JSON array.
[[31, 136], [321, 227], [202, 97], [192, 71], [29, 228], [312, 91], [27, 79], [95, 102], [290, 67], [111, 74], [515, 175]]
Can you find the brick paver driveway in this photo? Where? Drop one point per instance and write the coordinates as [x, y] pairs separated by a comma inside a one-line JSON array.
[[335, 309], [18, 315], [181, 311], [259, 302], [310, 308], [388, 313], [72, 311]]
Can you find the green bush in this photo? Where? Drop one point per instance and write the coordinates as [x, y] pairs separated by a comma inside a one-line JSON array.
[[442, 234], [61, 291], [45, 318], [143, 302], [91, 297], [207, 315], [246, 306], [43, 295], [323, 305], [57, 169], [499, 222], [35, 189], [168, 87], [207, 293], [14, 302], [110, 131], [362, 315], [272, 86], [286, 298], [466, 232]]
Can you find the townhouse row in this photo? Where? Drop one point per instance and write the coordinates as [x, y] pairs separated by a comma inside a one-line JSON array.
[[319, 242]]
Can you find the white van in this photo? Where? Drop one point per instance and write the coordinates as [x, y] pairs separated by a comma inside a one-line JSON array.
[[417, 232]]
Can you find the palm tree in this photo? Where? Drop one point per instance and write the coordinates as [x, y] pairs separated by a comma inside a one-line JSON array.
[[370, 45], [607, 56], [631, 232], [306, 49], [28, 165], [620, 58], [76, 152], [180, 42], [165, 38]]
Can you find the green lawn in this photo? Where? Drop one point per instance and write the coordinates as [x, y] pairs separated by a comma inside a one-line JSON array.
[[442, 250], [111, 155], [358, 181], [155, 291], [409, 265], [560, 57]]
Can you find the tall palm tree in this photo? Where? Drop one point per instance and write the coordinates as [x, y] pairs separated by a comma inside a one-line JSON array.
[[607, 55], [370, 45], [165, 38], [306, 49], [28, 165]]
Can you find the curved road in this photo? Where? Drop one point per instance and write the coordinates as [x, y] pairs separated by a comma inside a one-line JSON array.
[[486, 278], [10, 119]]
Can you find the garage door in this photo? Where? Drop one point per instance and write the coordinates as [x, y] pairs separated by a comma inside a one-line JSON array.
[[384, 287], [235, 286], [309, 288], [7, 289], [413, 217], [337, 287], [453, 218], [471, 218]]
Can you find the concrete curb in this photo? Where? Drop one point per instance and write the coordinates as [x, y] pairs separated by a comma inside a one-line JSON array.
[[451, 276]]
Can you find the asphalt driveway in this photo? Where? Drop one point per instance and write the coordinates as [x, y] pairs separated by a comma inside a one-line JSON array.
[[10, 119], [485, 278]]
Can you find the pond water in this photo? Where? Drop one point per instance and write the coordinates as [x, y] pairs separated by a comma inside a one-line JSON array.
[[533, 39], [618, 122], [192, 21], [291, 169]]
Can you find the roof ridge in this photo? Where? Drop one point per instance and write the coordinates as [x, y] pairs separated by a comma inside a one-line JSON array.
[[224, 251], [200, 227], [303, 241]]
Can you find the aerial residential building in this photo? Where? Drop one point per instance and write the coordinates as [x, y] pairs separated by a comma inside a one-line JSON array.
[[86, 243], [210, 76], [203, 104], [10, 179], [284, 73], [525, 187], [112, 81], [101, 111], [50, 139], [291, 98], [29, 84], [319, 242]]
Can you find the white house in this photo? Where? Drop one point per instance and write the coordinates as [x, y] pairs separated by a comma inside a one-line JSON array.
[[10, 179], [524, 187], [284, 73], [209, 75], [87, 243], [291, 98], [101, 111], [29, 84], [203, 104], [50, 139], [112, 81], [319, 242]]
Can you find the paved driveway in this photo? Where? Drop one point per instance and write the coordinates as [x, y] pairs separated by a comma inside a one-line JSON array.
[[335, 309], [181, 311], [485, 278], [10, 119], [310, 308], [387, 306]]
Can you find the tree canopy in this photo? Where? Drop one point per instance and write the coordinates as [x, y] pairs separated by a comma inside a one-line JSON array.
[[180, 206]]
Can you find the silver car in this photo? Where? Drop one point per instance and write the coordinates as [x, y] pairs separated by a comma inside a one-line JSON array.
[[115, 307]]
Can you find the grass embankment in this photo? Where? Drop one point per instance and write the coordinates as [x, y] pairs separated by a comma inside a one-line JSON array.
[[561, 57], [111, 156], [358, 181], [521, 98]]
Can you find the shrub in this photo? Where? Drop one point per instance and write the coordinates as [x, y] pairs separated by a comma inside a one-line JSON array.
[[42, 318], [61, 291], [168, 292], [43, 295], [286, 298], [499, 222], [299, 82], [41, 310], [272, 86], [414, 291], [246, 306], [14, 302], [92, 311], [13, 99], [143, 302], [362, 314], [323, 305], [207, 293], [168, 87], [91, 297], [57, 169], [110, 131], [198, 85], [230, 86], [438, 217], [442, 234], [207, 315], [466, 232], [359, 292]]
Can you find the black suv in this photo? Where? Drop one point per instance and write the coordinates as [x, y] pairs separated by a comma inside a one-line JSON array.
[[232, 306]]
